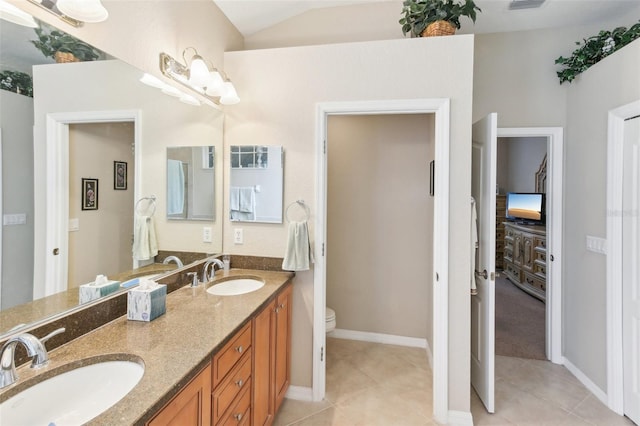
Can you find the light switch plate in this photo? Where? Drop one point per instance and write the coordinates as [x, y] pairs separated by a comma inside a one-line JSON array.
[[14, 219], [74, 224], [238, 237], [596, 244], [206, 234]]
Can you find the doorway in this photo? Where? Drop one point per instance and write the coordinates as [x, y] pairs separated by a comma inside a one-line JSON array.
[[54, 242], [519, 307], [440, 108], [380, 227]]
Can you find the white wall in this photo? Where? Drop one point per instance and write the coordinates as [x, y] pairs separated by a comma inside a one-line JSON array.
[[16, 121], [281, 88], [608, 84], [380, 223], [114, 85]]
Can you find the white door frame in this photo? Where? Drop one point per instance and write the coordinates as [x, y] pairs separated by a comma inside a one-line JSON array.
[[1, 215], [555, 161], [439, 107], [615, 144], [57, 206]]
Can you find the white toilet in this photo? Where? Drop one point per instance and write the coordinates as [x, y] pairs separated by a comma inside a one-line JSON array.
[[330, 319]]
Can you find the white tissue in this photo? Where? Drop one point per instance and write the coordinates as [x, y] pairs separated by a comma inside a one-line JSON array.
[[100, 280], [146, 284]]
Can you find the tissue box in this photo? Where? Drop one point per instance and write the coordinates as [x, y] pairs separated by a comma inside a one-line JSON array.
[[146, 305], [89, 292]]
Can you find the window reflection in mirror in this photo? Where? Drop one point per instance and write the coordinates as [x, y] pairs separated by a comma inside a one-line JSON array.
[[190, 183], [255, 188]]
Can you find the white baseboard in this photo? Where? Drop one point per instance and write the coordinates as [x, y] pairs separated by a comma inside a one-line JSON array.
[[592, 387], [388, 339], [299, 393], [460, 418]]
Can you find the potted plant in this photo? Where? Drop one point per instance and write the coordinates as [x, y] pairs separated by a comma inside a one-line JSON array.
[[594, 49], [63, 47], [17, 82], [423, 18]]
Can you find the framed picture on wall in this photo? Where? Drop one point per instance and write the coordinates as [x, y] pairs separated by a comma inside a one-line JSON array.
[[119, 175], [89, 194]]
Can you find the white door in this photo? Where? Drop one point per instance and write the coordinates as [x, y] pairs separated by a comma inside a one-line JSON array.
[[483, 191], [631, 269]]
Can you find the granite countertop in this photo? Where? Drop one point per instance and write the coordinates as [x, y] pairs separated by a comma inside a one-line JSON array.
[[173, 347]]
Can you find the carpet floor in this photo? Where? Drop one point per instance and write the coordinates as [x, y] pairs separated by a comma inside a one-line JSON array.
[[520, 322]]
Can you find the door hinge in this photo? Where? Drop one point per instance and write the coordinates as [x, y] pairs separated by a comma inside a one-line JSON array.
[[322, 354], [324, 147], [322, 249]]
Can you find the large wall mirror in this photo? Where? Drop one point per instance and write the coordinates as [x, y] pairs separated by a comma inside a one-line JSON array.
[[123, 156], [256, 183], [191, 183]]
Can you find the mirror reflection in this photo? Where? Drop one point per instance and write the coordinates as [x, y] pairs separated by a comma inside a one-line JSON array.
[[85, 248], [256, 183], [190, 183]]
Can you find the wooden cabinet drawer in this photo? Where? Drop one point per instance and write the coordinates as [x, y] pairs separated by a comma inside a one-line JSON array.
[[231, 353], [236, 381], [540, 268], [510, 233], [540, 242], [511, 271], [535, 282], [240, 413]]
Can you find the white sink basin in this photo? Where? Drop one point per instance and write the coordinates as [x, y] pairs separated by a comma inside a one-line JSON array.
[[72, 397], [235, 286]]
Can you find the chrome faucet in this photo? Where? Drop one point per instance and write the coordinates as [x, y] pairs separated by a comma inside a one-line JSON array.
[[172, 258], [35, 349], [210, 264]]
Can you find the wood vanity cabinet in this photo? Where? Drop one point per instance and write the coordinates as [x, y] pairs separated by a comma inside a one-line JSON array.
[[525, 258], [272, 357], [192, 406], [231, 397]]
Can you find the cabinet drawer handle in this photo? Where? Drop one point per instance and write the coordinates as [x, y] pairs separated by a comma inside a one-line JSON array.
[[238, 416], [240, 383], [276, 310], [282, 306], [239, 349]]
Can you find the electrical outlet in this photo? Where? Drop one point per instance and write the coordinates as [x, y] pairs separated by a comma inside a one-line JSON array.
[[206, 234], [238, 237]]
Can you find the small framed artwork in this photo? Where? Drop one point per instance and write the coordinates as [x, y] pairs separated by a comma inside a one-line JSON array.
[[89, 194], [432, 178], [119, 175]]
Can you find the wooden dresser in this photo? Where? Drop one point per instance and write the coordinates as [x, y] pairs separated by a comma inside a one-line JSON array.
[[525, 257], [501, 209]]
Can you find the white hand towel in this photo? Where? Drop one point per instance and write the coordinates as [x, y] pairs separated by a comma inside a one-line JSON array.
[[145, 245], [175, 187], [298, 254]]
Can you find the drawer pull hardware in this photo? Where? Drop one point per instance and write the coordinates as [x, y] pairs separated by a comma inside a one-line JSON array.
[[240, 383], [238, 416], [239, 349], [276, 310]]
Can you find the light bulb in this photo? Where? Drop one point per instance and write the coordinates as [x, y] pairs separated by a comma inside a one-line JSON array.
[[83, 10], [198, 72], [229, 96], [214, 84]]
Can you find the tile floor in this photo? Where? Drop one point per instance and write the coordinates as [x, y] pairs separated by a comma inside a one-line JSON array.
[[371, 384]]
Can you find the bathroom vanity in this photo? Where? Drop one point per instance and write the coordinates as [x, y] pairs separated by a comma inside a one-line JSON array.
[[209, 360]]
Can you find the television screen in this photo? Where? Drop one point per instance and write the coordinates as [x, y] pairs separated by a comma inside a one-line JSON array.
[[525, 206]]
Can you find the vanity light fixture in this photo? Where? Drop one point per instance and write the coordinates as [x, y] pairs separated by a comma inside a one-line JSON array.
[[10, 13], [208, 82], [74, 12]]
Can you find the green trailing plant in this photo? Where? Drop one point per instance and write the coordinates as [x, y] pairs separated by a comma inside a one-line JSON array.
[[17, 82], [51, 41], [594, 49], [418, 14]]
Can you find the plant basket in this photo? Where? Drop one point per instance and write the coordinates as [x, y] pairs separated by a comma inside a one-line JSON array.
[[62, 57], [439, 28]]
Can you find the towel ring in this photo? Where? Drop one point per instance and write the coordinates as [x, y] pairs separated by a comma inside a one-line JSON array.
[[151, 204], [302, 205]]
